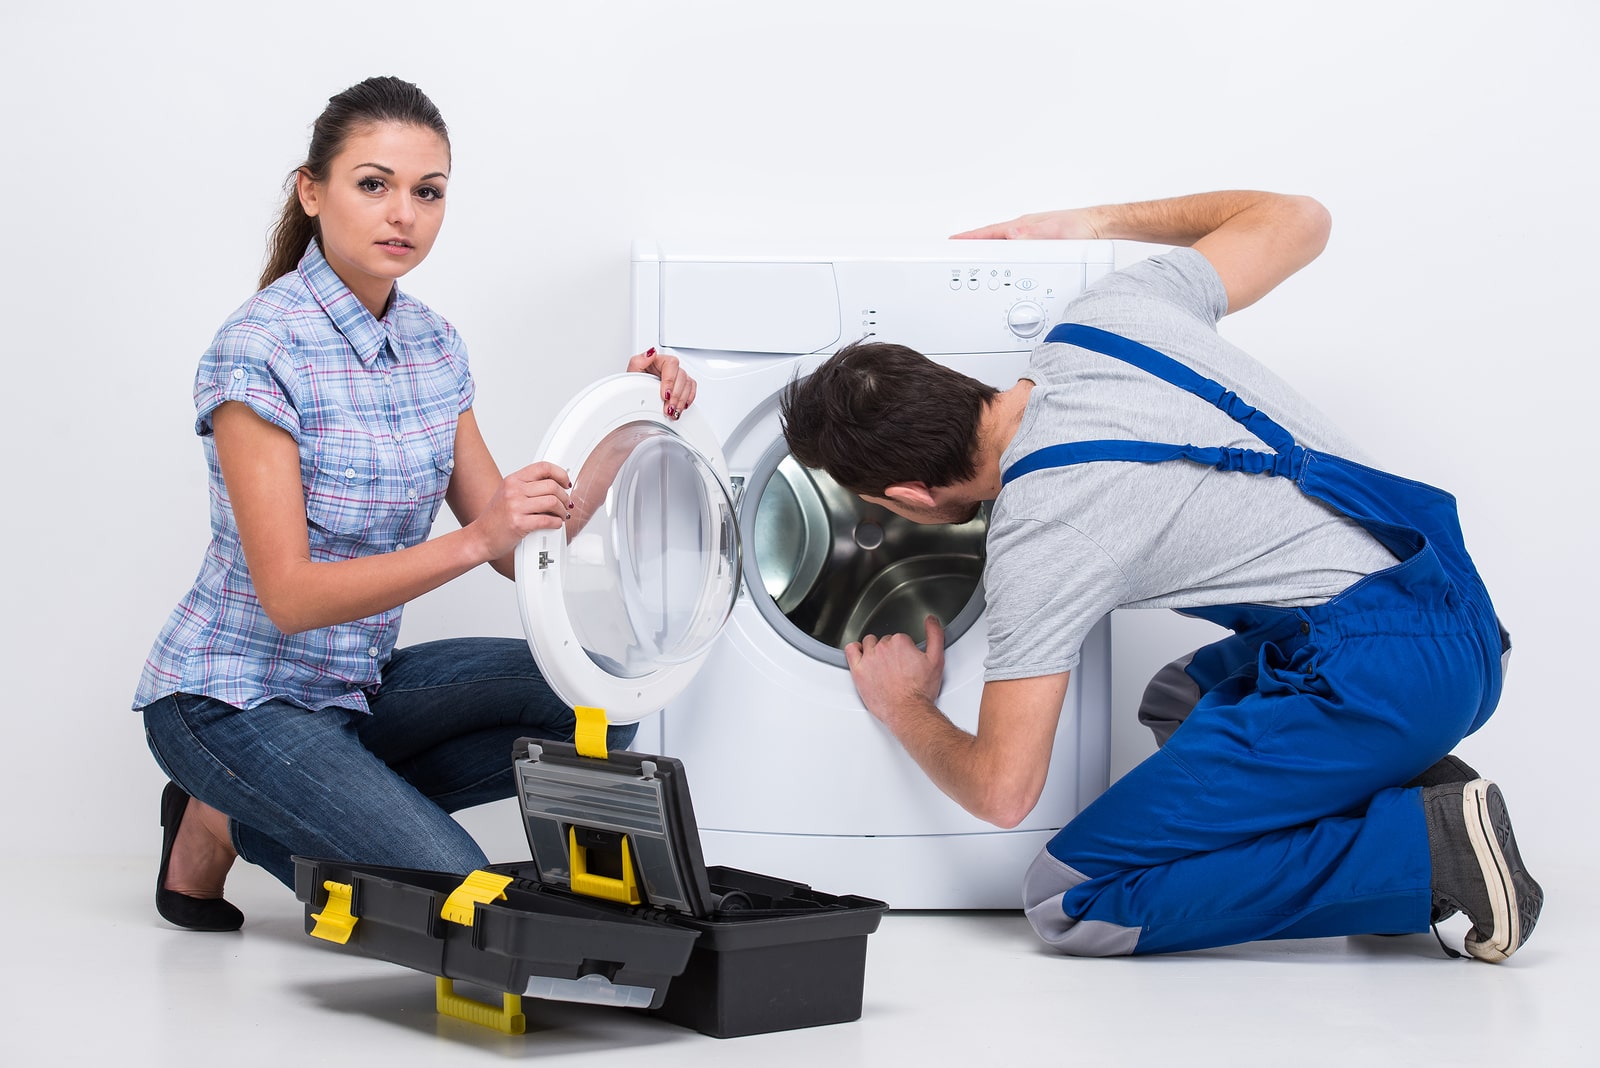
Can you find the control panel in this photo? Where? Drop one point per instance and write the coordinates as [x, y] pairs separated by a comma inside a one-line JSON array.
[[938, 297], [970, 307]]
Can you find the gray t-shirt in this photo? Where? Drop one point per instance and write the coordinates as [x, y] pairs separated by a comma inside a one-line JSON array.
[[1068, 545]]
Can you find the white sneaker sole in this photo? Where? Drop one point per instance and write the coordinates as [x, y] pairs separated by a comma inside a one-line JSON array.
[[1506, 936]]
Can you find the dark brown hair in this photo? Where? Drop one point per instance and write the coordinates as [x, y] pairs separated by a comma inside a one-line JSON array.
[[364, 104], [875, 414]]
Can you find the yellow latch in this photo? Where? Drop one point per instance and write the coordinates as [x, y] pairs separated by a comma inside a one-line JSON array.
[[335, 921], [480, 887], [623, 887], [590, 736]]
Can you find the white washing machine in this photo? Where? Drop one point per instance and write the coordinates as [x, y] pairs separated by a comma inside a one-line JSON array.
[[711, 577]]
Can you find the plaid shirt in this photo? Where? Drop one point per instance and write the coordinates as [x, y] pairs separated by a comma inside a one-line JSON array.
[[373, 407]]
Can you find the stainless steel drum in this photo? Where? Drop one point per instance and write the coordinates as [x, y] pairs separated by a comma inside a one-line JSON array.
[[827, 568]]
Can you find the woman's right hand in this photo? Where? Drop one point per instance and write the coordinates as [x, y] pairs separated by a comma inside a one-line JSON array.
[[538, 497]]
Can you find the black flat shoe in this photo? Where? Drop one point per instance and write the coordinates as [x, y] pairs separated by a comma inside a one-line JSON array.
[[194, 913]]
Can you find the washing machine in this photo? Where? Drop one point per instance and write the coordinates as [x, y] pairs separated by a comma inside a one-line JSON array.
[[715, 579]]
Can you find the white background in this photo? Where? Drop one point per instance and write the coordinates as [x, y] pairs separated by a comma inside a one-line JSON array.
[[1448, 325]]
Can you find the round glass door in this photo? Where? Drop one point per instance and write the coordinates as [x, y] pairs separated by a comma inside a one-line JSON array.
[[622, 603], [652, 552]]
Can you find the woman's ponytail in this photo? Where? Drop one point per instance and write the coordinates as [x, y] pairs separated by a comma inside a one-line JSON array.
[[289, 237]]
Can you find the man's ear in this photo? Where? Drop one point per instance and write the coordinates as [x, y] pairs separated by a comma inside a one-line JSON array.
[[910, 493]]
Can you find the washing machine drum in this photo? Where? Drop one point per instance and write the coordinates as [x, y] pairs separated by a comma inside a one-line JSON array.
[[622, 605]]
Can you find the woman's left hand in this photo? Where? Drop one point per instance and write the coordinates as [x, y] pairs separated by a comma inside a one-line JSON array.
[[677, 388]]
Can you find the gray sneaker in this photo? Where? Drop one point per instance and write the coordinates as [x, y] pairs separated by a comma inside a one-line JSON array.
[[1450, 770], [1477, 868], [1447, 769]]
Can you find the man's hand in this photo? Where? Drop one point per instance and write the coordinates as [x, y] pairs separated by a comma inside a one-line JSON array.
[[996, 774], [1071, 223], [894, 677]]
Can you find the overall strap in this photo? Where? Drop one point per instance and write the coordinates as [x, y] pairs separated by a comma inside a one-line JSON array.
[[1284, 462]]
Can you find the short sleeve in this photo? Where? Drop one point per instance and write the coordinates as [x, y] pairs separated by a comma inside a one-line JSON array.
[[1183, 278], [458, 357], [248, 364], [1047, 584]]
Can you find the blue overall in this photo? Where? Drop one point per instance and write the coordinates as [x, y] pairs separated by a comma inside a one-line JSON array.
[[1273, 811]]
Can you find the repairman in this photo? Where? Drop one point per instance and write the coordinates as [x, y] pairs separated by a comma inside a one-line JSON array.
[[1303, 785]]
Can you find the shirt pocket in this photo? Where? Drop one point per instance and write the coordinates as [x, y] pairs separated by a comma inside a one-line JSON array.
[[443, 449], [444, 464], [342, 492]]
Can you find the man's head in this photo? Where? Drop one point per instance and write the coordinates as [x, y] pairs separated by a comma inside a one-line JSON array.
[[876, 416]]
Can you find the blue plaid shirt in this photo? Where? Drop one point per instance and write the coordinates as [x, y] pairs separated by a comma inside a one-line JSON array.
[[373, 406]]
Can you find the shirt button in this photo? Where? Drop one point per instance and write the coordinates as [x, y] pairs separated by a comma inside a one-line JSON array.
[[238, 372], [412, 494], [450, 466], [349, 472], [372, 651]]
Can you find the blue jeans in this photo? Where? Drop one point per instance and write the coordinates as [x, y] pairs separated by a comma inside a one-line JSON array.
[[370, 789]]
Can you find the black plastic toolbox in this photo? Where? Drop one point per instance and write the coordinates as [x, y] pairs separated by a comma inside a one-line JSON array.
[[615, 907]]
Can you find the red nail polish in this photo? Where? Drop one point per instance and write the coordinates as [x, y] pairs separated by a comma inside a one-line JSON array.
[[668, 396], [651, 351]]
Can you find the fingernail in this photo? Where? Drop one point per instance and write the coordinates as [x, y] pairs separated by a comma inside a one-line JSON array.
[[651, 351], [668, 396], [673, 412]]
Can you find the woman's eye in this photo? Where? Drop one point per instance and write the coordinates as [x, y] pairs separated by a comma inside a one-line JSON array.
[[370, 185], [429, 192]]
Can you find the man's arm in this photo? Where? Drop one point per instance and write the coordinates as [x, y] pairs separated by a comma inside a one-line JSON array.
[[996, 774], [1254, 240]]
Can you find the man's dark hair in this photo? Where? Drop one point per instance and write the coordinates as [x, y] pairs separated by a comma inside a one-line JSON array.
[[875, 414]]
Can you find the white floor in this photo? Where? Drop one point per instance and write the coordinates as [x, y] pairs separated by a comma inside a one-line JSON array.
[[96, 978]]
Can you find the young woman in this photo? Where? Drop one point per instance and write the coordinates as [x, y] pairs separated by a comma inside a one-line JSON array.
[[336, 416]]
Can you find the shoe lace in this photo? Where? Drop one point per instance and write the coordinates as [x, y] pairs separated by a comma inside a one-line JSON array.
[[1452, 954]]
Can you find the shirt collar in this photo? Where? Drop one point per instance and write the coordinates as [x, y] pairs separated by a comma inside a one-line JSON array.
[[364, 332]]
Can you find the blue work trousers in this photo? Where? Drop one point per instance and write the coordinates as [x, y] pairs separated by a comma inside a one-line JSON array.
[[1275, 810]]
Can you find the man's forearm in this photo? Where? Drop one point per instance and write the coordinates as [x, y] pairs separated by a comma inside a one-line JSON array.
[[957, 763], [1180, 220]]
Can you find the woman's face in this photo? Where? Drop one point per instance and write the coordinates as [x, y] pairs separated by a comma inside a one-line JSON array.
[[380, 206]]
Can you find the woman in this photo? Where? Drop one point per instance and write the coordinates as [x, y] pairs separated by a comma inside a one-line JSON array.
[[336, 414]]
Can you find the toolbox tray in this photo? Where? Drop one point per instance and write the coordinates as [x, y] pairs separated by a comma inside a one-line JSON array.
[[533, 941], [723, 951]]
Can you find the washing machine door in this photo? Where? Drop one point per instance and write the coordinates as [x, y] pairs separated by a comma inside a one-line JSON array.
[[622, 605]]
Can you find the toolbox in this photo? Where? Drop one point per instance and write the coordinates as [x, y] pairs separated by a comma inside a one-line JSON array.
[[615, 907]]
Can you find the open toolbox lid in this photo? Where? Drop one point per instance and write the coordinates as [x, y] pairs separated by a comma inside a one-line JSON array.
[[621, 605], [619, 828]]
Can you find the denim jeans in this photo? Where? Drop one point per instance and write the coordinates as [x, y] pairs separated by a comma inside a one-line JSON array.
[[370, 789]]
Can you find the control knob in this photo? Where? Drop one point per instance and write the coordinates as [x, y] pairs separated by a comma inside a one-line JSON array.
[[1026, 318]]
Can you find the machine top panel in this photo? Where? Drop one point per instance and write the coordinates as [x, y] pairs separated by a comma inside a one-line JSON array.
[[880, 250], [938, 297]]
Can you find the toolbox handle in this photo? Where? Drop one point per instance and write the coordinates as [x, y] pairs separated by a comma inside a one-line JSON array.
[[624, 889]]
